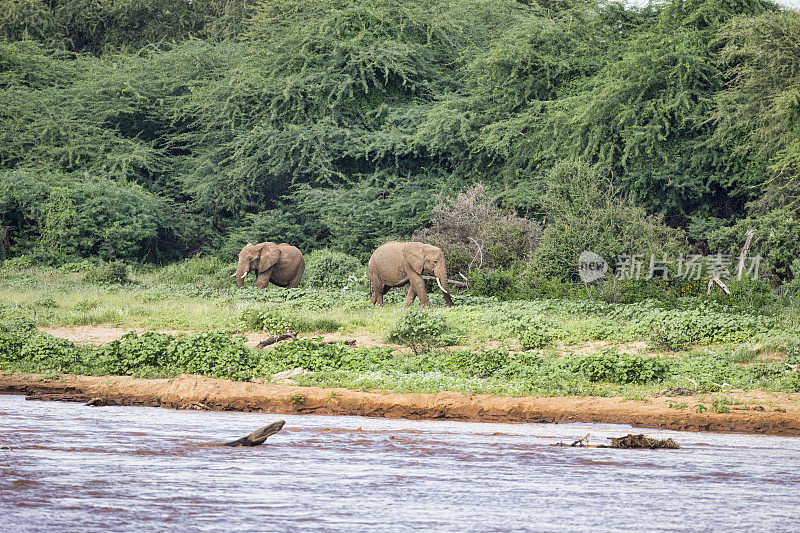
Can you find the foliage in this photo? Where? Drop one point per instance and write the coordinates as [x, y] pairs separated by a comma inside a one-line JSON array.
[[535, 334], [475, 235], [618, 368], [776, 241], [112, 272], [587, 213], [253, 319], [154, 130], [421, 330], [326, 268]]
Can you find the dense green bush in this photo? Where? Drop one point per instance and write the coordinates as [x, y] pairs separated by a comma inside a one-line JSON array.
[[272, 322], [586, 213], [329, 269], [213, 354], [422, 331], [535, 334], [148, 354], [111, 272], [616, 367], [315, 356]]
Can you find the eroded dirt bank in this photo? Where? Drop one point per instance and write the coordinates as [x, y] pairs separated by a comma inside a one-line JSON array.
[[759, 412]]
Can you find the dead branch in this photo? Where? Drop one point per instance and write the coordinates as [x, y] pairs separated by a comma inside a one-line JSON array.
[[272, 339], [743, 253], [581, 442], [715, 280]]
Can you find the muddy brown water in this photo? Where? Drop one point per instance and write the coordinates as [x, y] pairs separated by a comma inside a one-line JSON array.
[[76, 468]]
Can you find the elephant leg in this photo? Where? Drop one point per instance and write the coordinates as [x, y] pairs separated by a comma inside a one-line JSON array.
[[262, 280], [410, 296], [418, 286], [295, 280], [378, 290]]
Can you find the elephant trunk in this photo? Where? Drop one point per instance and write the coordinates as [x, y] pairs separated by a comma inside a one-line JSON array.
[[441, 279], [241, 271]]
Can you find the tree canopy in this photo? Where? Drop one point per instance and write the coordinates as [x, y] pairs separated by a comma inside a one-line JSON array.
[[190, 127]]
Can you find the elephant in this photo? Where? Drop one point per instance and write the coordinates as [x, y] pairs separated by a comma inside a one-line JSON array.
[[399, 263], [282, 264]]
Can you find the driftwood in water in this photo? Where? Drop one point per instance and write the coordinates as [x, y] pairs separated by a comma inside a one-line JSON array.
[[628, 441], [640, 441], [259, 436], [272, 339]]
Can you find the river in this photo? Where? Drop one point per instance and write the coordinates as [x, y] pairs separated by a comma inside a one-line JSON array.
[[69, 467]]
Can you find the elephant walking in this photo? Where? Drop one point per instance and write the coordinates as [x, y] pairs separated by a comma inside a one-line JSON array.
[[281, 264], [399, 263]]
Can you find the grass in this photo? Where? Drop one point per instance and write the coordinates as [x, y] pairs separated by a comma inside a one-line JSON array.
[[708, 345]]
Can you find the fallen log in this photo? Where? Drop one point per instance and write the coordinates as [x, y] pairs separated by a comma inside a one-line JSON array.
[[272, 339], [259, 436]]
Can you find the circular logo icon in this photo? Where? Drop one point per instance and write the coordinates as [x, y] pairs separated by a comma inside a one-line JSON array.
[[591, 267]]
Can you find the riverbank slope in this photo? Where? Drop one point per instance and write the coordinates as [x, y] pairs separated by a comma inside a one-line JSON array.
[[754, 411]]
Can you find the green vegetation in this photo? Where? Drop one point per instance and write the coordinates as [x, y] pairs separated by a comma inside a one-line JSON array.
[[156, 130], [144, 142], [482, 345]]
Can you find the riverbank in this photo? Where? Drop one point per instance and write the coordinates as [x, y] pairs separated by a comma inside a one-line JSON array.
[[754, 411]]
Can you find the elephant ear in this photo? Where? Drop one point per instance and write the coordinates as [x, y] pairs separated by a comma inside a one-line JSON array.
[[270, 254], [415, 257]]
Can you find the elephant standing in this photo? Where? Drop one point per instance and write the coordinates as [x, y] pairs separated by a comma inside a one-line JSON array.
[[282, 264], [399, 263]]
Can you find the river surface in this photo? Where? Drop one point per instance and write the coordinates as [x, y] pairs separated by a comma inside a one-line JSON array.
[[76, 468]]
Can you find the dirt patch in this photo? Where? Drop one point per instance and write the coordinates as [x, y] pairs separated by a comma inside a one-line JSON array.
[[780, 414], [97, 335]]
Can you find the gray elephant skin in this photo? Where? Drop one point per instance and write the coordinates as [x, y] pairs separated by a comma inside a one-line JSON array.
[[395, 264], [279, 264]]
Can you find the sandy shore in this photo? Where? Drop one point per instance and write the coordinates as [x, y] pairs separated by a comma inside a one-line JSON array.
[[759, 412]]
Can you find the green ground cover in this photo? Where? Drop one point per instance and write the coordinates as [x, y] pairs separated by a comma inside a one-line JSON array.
[[482, 345]]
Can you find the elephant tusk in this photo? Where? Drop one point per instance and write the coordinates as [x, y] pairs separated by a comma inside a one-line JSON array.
[[243, 275], [440, 286]]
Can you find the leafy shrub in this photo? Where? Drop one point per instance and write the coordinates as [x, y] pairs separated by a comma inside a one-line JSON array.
[[616, 367], [111, 272], [14, 334], [148, 354], [330, 269], [500, 284], [43, 352], [17, 263], [481, 364], [207, 270], [421, 330], [535, 334], [678, 328], [585, 212], [313, 355], [776, 241], [476, 235], [267, 320], [212, 354]]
